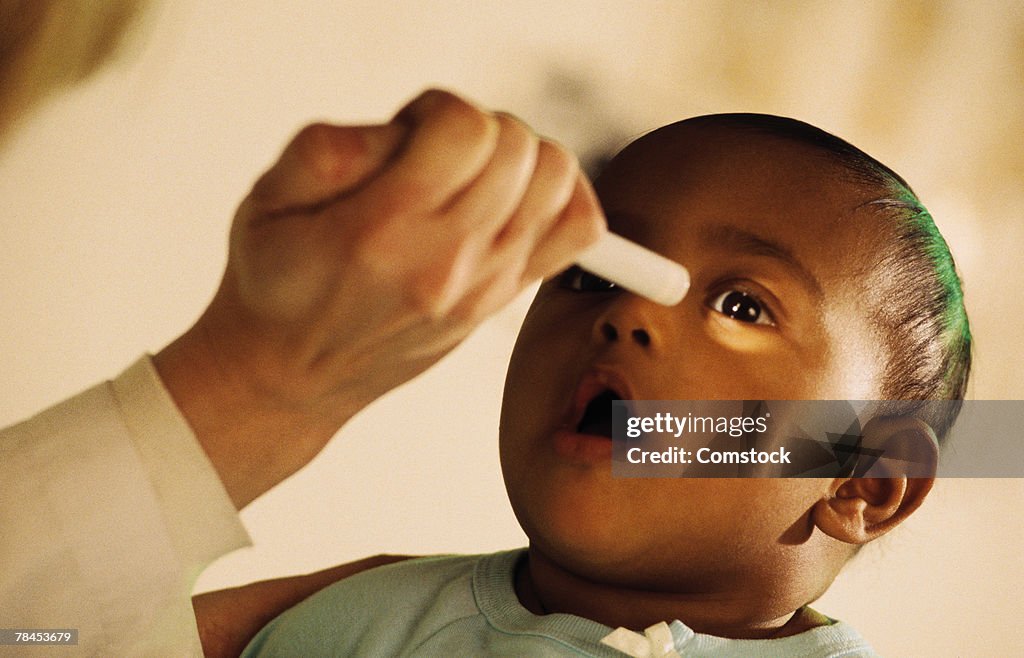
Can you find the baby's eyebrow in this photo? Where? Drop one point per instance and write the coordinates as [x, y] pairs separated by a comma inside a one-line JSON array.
[[732, 238]]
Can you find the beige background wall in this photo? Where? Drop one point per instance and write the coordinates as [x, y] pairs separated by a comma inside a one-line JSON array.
[[117, 198]]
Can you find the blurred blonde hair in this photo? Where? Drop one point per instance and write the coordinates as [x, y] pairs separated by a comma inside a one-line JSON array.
[[49, 44]]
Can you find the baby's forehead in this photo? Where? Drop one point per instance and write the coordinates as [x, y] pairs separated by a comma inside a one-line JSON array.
[[717, 145], [783, 188], [738, 166], [745, 163]]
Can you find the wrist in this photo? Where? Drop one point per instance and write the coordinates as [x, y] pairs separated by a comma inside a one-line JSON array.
[[255, 436]]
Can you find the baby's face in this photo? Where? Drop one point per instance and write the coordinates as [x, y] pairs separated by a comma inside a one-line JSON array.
[[776, 310]]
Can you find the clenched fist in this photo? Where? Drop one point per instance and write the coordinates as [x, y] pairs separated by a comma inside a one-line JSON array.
[[363, 256]]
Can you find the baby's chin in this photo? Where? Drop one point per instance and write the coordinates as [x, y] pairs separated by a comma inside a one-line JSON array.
[[625, 564], [603, 549]]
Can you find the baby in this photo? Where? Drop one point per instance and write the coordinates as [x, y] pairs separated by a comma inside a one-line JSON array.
[[816, 274]]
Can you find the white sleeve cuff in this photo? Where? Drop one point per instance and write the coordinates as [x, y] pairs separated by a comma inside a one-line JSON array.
[[201, 519]]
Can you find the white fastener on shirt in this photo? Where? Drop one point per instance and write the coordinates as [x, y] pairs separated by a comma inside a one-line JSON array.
[[656, 642]]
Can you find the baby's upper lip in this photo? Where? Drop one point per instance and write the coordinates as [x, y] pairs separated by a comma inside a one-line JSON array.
[[594, 381]]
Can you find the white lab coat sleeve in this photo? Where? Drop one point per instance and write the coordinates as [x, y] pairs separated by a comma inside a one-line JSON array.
[[109, 510]]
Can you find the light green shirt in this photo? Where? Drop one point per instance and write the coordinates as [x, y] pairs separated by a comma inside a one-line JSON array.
[[467, 606]]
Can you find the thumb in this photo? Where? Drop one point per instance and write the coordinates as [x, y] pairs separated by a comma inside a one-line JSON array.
[[323, 162]]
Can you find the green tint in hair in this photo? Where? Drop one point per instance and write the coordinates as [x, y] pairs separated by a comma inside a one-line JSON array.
[[924, 314]]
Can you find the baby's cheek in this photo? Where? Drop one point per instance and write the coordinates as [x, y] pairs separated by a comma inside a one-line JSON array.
[[716, 517], [748, 363], [856, 365], [740, 337]]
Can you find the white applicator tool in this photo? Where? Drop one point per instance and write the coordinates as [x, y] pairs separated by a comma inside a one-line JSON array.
[[637, 269]]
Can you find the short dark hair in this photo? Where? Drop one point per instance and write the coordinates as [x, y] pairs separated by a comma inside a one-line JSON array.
[[923, 319]]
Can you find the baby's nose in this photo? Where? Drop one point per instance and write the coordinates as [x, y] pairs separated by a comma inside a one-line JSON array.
[[611, 334], [628, 321]]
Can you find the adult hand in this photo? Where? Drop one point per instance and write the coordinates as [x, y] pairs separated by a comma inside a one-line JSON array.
[[357, 261]]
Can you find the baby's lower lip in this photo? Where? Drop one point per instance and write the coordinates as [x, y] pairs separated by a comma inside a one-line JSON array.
[[582, 448]]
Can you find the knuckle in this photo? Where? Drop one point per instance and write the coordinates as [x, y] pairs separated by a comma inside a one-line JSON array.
[[471, 124], [434, 97], [593, 227], [583, 220], [315, 148], [312, 138], [555, 161], [517, 230], [514, 131]]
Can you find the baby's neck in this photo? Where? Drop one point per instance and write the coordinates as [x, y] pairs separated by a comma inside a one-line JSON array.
[[544, 588]]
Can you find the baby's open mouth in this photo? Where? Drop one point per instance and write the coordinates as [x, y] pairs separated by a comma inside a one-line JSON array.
[[597, 417]]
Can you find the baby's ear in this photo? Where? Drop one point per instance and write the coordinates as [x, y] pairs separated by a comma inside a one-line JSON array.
[[859, 509]]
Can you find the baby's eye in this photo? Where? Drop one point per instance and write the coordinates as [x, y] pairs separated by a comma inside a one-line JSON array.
[[580, 280], [742, 306]]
